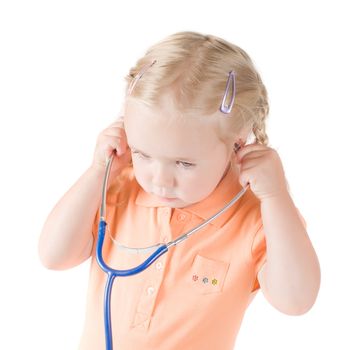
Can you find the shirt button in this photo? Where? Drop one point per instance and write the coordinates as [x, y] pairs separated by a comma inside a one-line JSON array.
[[164, 239], [150, 290], [159, 265], [181, 217]]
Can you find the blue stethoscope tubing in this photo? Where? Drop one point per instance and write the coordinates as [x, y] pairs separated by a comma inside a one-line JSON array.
[[162, 249]]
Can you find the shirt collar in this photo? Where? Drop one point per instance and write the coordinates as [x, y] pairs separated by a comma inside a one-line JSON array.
[[227, 188]]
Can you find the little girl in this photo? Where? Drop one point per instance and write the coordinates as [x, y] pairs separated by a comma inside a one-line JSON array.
[[180, 155]]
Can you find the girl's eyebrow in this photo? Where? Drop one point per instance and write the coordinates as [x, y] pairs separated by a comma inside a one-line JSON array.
[[176, 158]]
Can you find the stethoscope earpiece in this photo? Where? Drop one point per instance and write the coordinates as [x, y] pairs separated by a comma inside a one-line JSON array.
[[238, 145]]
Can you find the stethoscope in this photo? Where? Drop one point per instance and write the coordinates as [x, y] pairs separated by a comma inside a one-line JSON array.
[[161, 249]]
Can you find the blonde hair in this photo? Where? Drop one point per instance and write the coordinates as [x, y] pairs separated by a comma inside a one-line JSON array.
[[195, 68]]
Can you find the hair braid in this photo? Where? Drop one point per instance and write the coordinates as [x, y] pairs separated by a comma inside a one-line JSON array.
[[262, 106]]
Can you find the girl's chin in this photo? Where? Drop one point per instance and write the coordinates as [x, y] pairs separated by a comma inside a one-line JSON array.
[[169, 200]]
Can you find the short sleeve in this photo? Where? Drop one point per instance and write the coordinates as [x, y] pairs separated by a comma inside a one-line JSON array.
[[258, 252]]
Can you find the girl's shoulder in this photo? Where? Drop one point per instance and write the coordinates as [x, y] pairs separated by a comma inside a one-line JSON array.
[[122, 186]]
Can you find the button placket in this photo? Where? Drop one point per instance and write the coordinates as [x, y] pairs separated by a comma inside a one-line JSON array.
[[147, 299], [142, 316], [146, 303], [164, 217], [165, 214]]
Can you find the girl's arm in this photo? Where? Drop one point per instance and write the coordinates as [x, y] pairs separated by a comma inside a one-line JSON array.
[[66, 239], [290, 278]]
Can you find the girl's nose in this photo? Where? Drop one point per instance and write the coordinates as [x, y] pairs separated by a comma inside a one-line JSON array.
[[163, 181]]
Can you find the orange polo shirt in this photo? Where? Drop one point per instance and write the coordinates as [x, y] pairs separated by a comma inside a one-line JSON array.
[[195, 295]]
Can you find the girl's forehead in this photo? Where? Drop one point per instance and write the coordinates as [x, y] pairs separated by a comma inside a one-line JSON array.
[[149, 130], [167, 114]]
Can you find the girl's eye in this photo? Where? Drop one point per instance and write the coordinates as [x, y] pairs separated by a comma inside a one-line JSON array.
[[186, 165], [140, 154]]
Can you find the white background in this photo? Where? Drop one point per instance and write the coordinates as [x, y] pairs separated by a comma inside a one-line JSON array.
[[62, 65]]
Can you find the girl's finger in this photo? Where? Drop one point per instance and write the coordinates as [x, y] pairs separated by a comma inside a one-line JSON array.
[[250, 148], [113, 132]]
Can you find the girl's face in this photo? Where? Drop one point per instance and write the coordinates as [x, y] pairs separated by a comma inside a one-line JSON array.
[[182, 159]]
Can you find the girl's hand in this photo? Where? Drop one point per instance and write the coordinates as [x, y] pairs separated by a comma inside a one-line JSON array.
[[112, 139], [261, 167]]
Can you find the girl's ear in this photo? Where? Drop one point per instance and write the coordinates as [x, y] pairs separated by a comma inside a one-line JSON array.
[[245, 137], [240, 143]]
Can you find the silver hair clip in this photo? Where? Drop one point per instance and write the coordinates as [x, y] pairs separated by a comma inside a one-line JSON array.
[[139, 75], [223, 108]]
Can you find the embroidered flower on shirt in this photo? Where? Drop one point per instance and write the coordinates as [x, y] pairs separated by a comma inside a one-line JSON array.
[[205, 280]]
